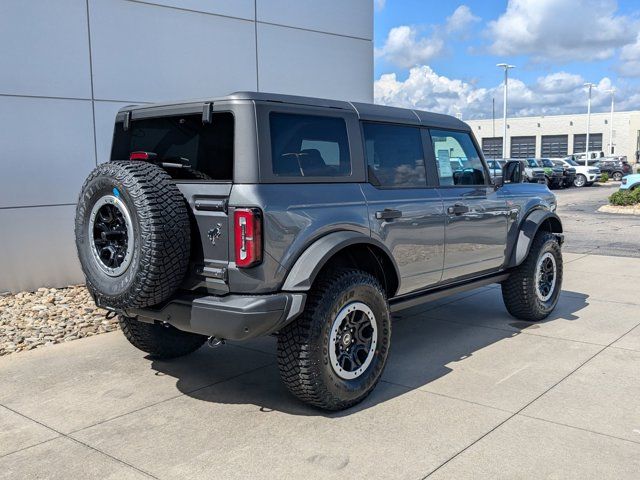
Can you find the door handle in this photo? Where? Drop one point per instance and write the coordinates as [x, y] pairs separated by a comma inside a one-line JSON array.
[[457, 209], [388, 214]]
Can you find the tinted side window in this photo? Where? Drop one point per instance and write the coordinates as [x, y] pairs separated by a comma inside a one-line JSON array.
[[457, 158], [395, 157], [309, 145]]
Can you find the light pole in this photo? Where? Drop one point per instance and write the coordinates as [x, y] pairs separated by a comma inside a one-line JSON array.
[[506, 67], [612, 91], [589, 86]]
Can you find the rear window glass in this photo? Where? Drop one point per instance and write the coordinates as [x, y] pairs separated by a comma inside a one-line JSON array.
[[186, 148], [309, 145]]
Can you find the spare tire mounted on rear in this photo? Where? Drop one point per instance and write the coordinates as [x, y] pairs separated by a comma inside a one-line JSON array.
[[132, 234]]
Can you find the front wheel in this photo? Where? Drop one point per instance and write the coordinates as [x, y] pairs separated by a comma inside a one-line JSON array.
[[617, 176], [579, 181], [333, 355], [532, 290]]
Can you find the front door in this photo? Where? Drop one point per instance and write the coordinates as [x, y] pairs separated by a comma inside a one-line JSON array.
[[476, 213], [405, 213]]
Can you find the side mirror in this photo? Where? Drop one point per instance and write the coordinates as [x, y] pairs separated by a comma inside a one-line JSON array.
[[512, 172]]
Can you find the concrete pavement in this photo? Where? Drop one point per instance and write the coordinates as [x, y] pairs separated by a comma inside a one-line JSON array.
[[469, 392], [588, 230]]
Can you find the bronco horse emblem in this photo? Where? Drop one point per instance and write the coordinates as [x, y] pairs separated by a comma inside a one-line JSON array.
[[215, 233]]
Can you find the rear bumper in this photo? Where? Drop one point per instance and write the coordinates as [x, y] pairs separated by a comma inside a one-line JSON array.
[[232, 317]]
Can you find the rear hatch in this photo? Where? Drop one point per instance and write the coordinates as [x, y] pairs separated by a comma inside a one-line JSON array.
[[198, 154]]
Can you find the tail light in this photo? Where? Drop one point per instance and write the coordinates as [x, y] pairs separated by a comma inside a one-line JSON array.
[[247, 224], [142, 156]]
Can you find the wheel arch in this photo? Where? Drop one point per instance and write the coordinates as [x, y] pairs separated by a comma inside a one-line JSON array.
[[348, 249], [537, 220]]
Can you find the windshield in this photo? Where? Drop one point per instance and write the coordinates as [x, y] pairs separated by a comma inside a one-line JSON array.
[[532, 163], [573, 163], [547, 163]]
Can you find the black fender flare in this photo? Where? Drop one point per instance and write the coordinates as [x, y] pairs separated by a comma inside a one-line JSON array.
[[304, 271], [527, 230]]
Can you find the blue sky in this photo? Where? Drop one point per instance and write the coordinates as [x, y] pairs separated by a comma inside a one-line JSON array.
[[441, 55]]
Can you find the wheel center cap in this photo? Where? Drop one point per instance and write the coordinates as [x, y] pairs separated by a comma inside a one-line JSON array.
[[346, 339]]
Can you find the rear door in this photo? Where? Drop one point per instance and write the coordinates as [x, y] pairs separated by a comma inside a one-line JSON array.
[[476, 213], [199, 157], [405, 210]]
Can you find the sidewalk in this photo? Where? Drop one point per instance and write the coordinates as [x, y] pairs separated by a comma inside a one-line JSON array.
[[469, 392]]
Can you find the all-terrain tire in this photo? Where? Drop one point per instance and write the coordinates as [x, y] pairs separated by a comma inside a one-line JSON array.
[[159, 341], [303, 346], [159, 257], [519, 292]]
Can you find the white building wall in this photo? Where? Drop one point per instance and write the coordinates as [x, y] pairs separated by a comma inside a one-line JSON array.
[[626, 129], [68, 66]]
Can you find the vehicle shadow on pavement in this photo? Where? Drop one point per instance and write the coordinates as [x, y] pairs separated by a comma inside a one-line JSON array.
[[425, 345]]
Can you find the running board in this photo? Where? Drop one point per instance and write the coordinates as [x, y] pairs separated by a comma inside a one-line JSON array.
[[416, 298]]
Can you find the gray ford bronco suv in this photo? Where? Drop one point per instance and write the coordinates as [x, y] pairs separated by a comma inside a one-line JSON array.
[[308, 219]]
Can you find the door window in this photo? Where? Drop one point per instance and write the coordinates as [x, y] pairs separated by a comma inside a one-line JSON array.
[[457, 159], [395, 156]]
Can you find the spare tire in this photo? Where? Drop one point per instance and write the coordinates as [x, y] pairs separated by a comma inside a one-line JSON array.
[[132, 235]]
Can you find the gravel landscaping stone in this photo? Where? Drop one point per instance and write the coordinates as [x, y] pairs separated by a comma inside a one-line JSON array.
[[48, 316], [622, 209]]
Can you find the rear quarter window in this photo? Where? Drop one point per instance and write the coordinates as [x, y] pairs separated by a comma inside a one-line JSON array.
[[309, 145], [205, 151]]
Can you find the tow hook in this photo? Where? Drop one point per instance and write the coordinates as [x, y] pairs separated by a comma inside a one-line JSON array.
[[214, 342]]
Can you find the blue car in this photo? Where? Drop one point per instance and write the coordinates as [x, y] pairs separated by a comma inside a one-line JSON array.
[[630, 182]]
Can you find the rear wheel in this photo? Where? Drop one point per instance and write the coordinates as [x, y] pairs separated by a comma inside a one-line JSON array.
[[532, 290], [158, 340], [332, 356], [580, 180]]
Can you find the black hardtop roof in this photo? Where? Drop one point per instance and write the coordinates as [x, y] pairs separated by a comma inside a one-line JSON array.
[[365, 111]]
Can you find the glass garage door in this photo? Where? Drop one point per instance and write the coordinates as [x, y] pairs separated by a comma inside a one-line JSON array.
[[555, 146], [492, 147], [523, 147]]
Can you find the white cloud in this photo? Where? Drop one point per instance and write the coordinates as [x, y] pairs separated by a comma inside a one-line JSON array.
[[560, 82], [460, 20], [560, 30], [404, 48], [630, 58], [556, 93], [380, 4]]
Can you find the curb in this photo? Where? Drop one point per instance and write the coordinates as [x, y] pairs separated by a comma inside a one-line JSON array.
[[609, 184], [620, 210]]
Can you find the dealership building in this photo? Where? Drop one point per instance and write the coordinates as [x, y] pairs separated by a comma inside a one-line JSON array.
[[67, 66], [560, 135]]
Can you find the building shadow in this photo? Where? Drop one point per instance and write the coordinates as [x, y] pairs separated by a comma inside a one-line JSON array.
[[425, 342]]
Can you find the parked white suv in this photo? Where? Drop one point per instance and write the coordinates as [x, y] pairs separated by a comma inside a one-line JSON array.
[[585, 174]]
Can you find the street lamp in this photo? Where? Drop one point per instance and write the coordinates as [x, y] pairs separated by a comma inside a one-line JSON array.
[[589, 86], [612, 91], [506, 67]]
